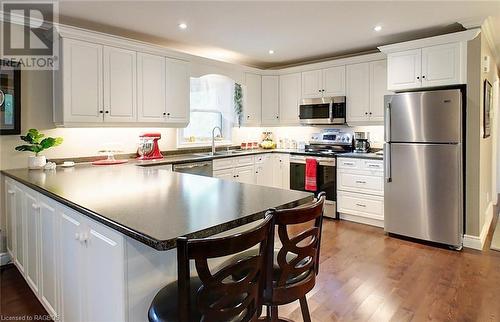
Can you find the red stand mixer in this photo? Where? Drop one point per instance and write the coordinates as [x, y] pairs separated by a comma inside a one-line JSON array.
[[148, 147]]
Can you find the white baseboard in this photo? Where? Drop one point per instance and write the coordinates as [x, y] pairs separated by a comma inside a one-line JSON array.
[[477, 242], [4, 259]]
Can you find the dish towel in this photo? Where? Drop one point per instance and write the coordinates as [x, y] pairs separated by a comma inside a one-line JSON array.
[[311, 171]]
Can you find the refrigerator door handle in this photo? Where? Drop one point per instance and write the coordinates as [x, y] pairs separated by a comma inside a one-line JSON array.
[[387, 162], [387, 122]]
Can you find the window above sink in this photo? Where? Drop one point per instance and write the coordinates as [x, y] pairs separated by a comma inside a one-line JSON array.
[[211, 105]]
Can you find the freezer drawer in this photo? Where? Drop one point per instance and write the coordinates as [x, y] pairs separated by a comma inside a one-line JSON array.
[[423, 192], [426, 117]]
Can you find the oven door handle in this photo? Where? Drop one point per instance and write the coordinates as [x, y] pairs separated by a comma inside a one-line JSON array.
[[320, 162]]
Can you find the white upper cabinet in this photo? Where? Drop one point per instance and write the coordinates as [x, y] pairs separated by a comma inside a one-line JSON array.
[[312, 84], [334, 81], [429, 66], [404, 69], [270, 100], [358, 92], [378, 89], [177, 88], [151, 88], [290, 93], [252, 100], [324, 82], [441, 65], [120, 84], [366, 87], [79, 91], [100, 85]]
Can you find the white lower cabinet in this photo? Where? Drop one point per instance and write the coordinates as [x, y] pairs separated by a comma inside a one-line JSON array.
[[239, 169], [32, 217], [267, 169], [61, 253], [360, 190], [89, 290], [264, 169], [281, 171]]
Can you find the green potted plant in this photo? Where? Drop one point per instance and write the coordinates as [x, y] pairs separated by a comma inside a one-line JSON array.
[[37, 142]]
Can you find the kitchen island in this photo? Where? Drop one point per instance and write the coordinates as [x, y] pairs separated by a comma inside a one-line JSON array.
[[97, 243]]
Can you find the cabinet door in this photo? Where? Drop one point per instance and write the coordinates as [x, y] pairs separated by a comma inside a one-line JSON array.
[[72, 279], [334, 81], [358, 92], [441, 65], [82, 82], [245, 174], [151, 90], [312, 84], [120, 85], [290, 91], [404, 70], [105, 284], [48, 255], [32, 216], [226, 174], [378, 89], [252, 97], [281, 171], [10, 209], [20, 215], [177, 77], [264, 170], [270, 100]]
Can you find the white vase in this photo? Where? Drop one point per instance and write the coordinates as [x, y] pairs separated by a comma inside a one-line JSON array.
[[36, 162]]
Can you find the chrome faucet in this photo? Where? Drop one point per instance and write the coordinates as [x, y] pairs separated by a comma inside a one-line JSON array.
[[213, 138]]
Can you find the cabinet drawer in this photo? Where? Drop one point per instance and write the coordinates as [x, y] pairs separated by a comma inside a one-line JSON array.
[[243, 161], [373, 165], [348, 163], [223, 163], [361, 205], [361, 183], [261, 158]]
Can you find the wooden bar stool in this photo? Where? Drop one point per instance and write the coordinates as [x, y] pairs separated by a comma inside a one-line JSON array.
[[217, 296], [296, 263]]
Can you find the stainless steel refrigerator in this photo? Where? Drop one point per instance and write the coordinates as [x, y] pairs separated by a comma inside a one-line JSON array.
[[423, 196]]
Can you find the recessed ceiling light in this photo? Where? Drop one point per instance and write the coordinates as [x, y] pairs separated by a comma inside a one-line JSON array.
[[271, 51], [377, 28], [183, 26]]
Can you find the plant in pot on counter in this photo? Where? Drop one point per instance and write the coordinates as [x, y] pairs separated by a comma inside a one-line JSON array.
[[37, 142]]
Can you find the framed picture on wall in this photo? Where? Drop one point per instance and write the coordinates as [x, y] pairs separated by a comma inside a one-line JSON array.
[[488, 101], [10, 98]]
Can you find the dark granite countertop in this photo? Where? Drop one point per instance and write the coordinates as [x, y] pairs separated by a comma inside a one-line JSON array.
[[156, 206], [373, 156]]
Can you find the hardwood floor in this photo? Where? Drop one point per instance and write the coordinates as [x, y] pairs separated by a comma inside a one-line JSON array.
[[367, 276], [17, 301]]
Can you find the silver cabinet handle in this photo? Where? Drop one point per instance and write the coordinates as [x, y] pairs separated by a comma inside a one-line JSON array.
[[11, 192], [360, 205], [358, 181], [387, 122], [387, 162], [191, 166], [35, 206], [347, 163], [374, 166]]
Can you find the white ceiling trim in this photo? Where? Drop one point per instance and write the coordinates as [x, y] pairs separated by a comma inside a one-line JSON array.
[[489, 33]]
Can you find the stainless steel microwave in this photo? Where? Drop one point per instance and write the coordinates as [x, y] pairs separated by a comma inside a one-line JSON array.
[[324, 110]]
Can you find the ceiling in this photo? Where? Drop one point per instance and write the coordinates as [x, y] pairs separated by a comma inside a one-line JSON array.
[[297, 31]]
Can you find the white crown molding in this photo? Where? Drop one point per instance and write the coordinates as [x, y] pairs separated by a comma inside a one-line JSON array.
[[472, 23], [491, 35], [432, 41]]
